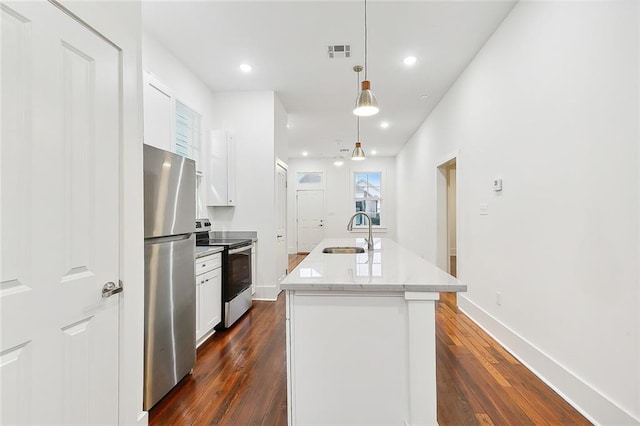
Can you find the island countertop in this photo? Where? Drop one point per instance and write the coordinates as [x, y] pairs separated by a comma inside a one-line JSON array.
[[389, 267]]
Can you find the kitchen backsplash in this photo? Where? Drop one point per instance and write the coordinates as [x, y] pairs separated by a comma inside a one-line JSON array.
[[234, 234]]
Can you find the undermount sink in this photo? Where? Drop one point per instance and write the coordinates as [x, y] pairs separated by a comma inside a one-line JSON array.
[[343, 250]]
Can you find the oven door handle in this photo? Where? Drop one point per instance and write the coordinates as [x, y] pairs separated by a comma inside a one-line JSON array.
[[239, 250]]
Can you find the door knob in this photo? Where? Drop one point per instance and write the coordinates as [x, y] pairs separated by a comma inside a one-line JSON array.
[[111, 288]]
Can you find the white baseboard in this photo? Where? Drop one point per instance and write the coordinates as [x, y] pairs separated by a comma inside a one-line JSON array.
[[268, 293], [205, 337], [592, 404], [143, 418]]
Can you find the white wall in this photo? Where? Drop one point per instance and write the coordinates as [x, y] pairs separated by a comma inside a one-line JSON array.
[[120, 22], [280, 131], [186, 87], [339, 192], [258, 121], [255, 118], [638, 124], [550, 104]]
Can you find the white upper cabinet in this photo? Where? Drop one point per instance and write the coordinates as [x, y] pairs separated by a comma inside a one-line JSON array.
[[159, 106], [221, 188], [170, 124]]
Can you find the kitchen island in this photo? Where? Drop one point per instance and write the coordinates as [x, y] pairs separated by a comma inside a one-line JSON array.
[[361, 335]]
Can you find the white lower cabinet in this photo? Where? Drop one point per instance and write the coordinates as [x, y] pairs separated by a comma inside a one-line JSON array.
[[361, 357], [208, 295]]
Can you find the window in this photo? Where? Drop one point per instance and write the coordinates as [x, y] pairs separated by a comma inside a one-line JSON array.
[[309, 178], [187, 141], [368, 197]]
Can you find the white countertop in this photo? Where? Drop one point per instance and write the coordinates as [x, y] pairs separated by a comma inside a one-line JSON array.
[[389, 267], [202, 251]]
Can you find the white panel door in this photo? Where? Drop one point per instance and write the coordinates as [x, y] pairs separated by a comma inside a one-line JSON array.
[[59, 222], [281, 222], [310, 219]]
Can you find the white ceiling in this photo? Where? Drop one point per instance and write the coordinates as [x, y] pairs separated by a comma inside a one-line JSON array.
[[286, 43]]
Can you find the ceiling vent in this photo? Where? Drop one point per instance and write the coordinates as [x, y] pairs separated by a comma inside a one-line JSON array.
[[339, 51]]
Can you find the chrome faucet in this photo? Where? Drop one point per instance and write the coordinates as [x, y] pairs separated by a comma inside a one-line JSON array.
[[350, 227]]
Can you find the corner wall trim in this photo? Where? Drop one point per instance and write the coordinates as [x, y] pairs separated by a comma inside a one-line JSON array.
[[592, 404], [143, 418], [267, 293]]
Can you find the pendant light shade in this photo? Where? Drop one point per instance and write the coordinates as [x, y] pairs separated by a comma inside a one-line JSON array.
[[366, 103], [358, 152]]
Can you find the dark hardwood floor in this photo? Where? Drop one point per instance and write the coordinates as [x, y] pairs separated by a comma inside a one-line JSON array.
[[295, 259], [240, 377], [480, 383]]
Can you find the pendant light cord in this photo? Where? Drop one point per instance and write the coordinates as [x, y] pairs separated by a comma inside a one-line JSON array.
[[365, 40], [357, 116]]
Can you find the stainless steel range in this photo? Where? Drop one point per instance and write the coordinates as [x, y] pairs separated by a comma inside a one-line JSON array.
[[236, 272]]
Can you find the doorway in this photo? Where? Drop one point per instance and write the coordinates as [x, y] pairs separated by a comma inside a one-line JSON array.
[[281, 221], [447, 214], [310, 219]]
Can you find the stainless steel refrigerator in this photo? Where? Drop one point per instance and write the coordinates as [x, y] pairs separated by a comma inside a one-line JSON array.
[[169, 271]]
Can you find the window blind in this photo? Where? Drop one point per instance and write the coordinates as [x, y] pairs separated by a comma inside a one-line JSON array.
[[187, 130]]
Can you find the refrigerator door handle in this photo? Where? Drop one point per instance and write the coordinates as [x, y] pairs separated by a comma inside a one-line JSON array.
[[170, 238]]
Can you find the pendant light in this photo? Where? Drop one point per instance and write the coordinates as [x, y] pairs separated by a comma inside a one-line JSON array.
[[358, 152], [366, 103]]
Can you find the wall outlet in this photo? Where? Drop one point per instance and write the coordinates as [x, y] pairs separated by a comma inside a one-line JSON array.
[[498, 298], [484, 209]]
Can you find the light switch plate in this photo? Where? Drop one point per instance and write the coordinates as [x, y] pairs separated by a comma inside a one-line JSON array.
[[497, 184]]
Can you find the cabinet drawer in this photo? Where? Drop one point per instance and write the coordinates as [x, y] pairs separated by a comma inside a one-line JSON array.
[[208, 263]]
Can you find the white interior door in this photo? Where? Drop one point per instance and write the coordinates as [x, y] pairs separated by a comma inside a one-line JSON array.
[[281, 221], [59, 223], [310, 219]]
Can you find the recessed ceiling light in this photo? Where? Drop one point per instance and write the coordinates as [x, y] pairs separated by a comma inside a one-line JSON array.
[[305, 153], [424, 97], [289, 125], [338, 163], [384, 124], [374, 152], [409, 60], [246, 68]]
